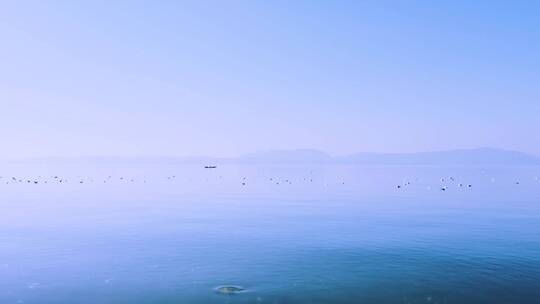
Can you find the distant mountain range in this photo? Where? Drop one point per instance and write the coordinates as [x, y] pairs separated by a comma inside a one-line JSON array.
[[482, 156], [465, 156]]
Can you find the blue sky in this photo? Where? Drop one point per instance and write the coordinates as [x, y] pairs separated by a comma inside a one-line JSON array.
[[222, 78]]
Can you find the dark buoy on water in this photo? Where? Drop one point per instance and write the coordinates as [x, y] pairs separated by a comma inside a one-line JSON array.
[[229, 289]]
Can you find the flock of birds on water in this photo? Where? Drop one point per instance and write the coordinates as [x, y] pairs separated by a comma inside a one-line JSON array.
[[446, 182]]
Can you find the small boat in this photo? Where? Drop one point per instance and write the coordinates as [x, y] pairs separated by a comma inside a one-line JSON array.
[[210, 167]]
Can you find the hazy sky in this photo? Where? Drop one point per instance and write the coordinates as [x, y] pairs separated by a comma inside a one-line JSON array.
[[228, 77]]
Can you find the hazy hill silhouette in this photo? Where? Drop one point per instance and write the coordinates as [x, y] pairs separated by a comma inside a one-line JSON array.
[[481, 156]]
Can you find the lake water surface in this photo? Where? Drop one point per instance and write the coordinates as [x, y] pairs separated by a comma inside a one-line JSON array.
[[287, 234]]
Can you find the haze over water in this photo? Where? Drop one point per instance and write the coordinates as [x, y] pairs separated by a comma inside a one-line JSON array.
[[292, 234], [108, 107]]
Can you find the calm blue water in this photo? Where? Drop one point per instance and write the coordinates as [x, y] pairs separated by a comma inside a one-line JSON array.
[[291, 234]]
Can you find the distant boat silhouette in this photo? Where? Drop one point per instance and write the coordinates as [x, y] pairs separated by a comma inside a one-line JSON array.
[[210, 167]]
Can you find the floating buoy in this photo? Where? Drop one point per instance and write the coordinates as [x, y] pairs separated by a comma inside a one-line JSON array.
[[229, 289]]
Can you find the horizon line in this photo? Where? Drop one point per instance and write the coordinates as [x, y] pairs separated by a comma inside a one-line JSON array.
[[254, 153]]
